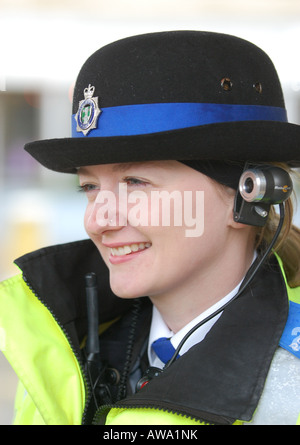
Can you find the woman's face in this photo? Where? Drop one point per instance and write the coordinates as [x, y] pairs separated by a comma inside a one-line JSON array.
[[156, 249]]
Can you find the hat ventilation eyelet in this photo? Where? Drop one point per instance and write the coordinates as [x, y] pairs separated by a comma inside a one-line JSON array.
[[226, 84], [258, 87]]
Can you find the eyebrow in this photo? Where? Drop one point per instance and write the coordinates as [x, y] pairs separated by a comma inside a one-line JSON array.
[[127, 165], [117, 167], [122, 166]]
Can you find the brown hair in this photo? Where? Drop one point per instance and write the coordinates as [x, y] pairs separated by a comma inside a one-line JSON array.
[[288, 243]]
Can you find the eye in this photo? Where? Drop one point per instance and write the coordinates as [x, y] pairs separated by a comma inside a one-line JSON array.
[[87, 188], [132, 180]]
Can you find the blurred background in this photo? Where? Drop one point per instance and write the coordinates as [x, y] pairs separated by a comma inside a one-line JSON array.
[[43, 44]]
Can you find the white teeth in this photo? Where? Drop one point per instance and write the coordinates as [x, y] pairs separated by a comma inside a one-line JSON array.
[[125, 250]]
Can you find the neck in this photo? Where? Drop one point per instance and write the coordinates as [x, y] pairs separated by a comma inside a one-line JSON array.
[[182, 305]]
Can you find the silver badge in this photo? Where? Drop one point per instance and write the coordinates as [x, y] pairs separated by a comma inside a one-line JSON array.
[[88, 111]]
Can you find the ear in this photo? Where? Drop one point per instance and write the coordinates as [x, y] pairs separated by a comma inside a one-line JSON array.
[[237, 225]]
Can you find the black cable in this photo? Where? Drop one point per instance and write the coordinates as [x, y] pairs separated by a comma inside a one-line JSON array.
[[249, 277]]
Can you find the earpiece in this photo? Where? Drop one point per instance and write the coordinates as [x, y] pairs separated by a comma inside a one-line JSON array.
[[259, 188]]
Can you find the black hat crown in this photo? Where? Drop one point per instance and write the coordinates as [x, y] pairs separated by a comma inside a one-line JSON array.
[[180, 66], [175, 95]]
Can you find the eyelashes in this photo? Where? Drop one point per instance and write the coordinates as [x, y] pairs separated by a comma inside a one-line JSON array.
[[129, 180], [85, 188], [132, 180]]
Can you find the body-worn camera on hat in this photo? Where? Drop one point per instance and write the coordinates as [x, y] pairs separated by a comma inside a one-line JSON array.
[[259, 188], [265, 184]]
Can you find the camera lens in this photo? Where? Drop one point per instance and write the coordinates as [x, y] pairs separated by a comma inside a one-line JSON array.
[[248, 185], [252, 185]]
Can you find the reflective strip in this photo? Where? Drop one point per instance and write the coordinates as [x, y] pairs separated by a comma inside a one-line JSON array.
[[290, 339]]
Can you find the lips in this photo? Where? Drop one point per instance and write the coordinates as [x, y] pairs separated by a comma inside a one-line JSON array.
[[129, 249]]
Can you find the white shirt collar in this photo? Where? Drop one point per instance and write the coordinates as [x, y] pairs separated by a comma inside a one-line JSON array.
[[160, 329]]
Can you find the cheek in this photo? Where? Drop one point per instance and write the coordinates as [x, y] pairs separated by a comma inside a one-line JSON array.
[[218, 210], [88, 222], [137, 209], [86, 218]]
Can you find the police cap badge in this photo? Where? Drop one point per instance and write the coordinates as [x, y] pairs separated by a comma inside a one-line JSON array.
[[88, 111]]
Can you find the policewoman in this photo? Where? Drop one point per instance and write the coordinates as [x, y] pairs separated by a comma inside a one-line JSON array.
[[149, 322]]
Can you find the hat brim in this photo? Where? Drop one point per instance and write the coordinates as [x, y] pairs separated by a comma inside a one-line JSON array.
[[257, 141]]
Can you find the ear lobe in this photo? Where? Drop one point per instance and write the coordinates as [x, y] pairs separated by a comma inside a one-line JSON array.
[[236, 225]]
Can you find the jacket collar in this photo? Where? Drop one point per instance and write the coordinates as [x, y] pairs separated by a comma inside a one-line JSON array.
[[56, 274], [224, 375]]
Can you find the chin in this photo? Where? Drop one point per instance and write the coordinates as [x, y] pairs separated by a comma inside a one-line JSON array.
[[123, 291]]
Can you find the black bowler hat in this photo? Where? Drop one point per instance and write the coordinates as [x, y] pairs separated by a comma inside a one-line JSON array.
[[183, 95]]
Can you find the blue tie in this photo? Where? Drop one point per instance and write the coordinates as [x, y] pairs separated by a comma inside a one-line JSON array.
[[163, 349]]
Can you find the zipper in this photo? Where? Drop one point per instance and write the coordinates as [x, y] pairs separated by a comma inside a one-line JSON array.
[[100, 412], [87, 386], [103, 410]]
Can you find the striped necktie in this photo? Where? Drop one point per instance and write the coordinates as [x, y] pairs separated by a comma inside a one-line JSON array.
[[163, 349]]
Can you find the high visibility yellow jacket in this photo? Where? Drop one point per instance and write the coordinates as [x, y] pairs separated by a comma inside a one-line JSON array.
[[42, 325]]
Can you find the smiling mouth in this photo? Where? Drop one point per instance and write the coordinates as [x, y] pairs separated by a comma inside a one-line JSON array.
[[128, 249]]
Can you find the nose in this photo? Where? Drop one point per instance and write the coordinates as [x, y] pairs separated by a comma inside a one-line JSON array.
[[106, 212]]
